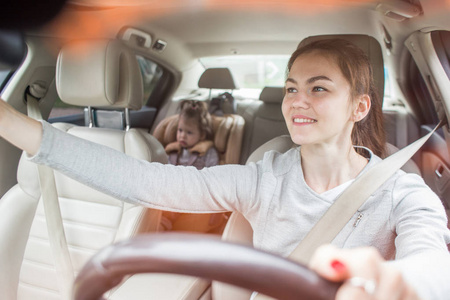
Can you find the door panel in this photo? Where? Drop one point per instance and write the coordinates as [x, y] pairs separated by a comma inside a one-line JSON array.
[[437, 175], [436, 166]]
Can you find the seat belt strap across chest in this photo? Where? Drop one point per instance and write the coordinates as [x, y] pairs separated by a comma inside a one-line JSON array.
[[56, 236], [346, 205]]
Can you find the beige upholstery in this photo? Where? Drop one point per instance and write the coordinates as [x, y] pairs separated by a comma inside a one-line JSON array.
[[263, 120], [217, 78], [228, 132], [91, 219], [99, 74]]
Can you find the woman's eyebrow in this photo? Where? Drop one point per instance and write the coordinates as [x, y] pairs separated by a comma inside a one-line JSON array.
[[310, 80], [291, 80], [316, 78]]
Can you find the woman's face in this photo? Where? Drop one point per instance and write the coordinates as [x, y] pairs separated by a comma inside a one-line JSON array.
[[317, 106], [188, 133]]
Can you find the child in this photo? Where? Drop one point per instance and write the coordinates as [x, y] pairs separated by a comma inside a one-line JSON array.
[[194, 146]]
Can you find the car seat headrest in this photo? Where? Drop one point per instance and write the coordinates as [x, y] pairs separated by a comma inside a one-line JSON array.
[[369, 45], [272, 95], [99, 73], [217, 78]]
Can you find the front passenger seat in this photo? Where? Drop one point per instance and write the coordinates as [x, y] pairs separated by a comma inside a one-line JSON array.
[[99, 73], [263, 120]]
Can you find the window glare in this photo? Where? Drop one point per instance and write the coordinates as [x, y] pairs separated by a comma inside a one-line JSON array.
[[252, 71]]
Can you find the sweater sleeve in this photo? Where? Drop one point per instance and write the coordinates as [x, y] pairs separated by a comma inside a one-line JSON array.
[[166, 187], [420, 223]]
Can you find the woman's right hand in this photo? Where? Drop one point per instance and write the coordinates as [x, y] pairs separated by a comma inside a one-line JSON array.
[[364, 273], [19, 129]]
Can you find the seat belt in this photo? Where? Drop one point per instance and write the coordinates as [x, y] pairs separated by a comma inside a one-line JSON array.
[[56, 236], [346, 205]]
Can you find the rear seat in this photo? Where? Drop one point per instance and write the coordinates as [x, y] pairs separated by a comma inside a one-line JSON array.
[[263, 120]]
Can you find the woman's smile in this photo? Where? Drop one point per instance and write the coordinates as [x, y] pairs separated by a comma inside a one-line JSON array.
[[299, 120]]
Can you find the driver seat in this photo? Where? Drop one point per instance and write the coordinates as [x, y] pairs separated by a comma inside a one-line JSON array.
[[92, 220]]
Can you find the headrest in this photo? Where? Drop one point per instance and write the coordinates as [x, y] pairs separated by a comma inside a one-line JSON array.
[[272, 95], [280, 143], [369, 45], [217, 78], [99, 73]]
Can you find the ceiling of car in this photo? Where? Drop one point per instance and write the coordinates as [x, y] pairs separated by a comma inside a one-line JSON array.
[[221, 27]]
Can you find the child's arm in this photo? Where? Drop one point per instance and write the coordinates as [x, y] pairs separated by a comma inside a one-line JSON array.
[[20, 130]]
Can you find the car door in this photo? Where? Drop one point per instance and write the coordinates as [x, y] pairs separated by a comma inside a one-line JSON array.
[[430, 51]]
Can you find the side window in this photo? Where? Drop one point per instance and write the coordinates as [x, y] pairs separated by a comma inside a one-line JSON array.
[[151, 74], [5, 75], [441, 43]]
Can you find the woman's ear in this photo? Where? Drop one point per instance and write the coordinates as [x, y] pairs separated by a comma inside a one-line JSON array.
[[362, 108]]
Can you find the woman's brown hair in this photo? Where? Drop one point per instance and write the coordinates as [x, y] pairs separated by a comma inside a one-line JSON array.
[[356, 68], [198, 112]]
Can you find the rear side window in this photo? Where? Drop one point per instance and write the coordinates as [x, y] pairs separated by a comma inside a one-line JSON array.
[[441, 43], [151, 74]]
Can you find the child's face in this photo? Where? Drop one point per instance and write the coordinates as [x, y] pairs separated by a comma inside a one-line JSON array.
[[188, 133]]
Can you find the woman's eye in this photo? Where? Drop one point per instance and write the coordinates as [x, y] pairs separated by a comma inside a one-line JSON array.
[[318, 89], [291, 90]]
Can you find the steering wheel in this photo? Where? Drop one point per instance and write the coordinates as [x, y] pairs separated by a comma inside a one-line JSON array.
[[200, 256]]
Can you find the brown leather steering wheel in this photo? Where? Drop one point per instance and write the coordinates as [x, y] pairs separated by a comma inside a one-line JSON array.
[[201, 256]]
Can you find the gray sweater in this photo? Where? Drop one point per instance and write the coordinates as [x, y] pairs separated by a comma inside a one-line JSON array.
[[403, 219]]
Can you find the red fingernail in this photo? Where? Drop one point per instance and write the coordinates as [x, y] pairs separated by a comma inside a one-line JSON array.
[[338, 266]]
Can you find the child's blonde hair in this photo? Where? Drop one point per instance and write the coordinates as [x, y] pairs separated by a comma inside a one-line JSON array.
[[198, 112]]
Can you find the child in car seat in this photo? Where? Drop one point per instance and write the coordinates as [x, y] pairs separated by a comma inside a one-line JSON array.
[[193, 146]]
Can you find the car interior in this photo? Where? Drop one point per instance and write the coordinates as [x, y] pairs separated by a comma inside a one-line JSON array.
[[114, 73]]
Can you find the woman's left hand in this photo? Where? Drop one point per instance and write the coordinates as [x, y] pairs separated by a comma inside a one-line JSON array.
[[364, 273]]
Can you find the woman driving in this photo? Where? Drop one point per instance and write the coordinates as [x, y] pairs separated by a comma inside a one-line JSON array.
[[395, 247]]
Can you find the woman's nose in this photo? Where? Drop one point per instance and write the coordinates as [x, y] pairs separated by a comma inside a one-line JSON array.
[[300, 100]]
